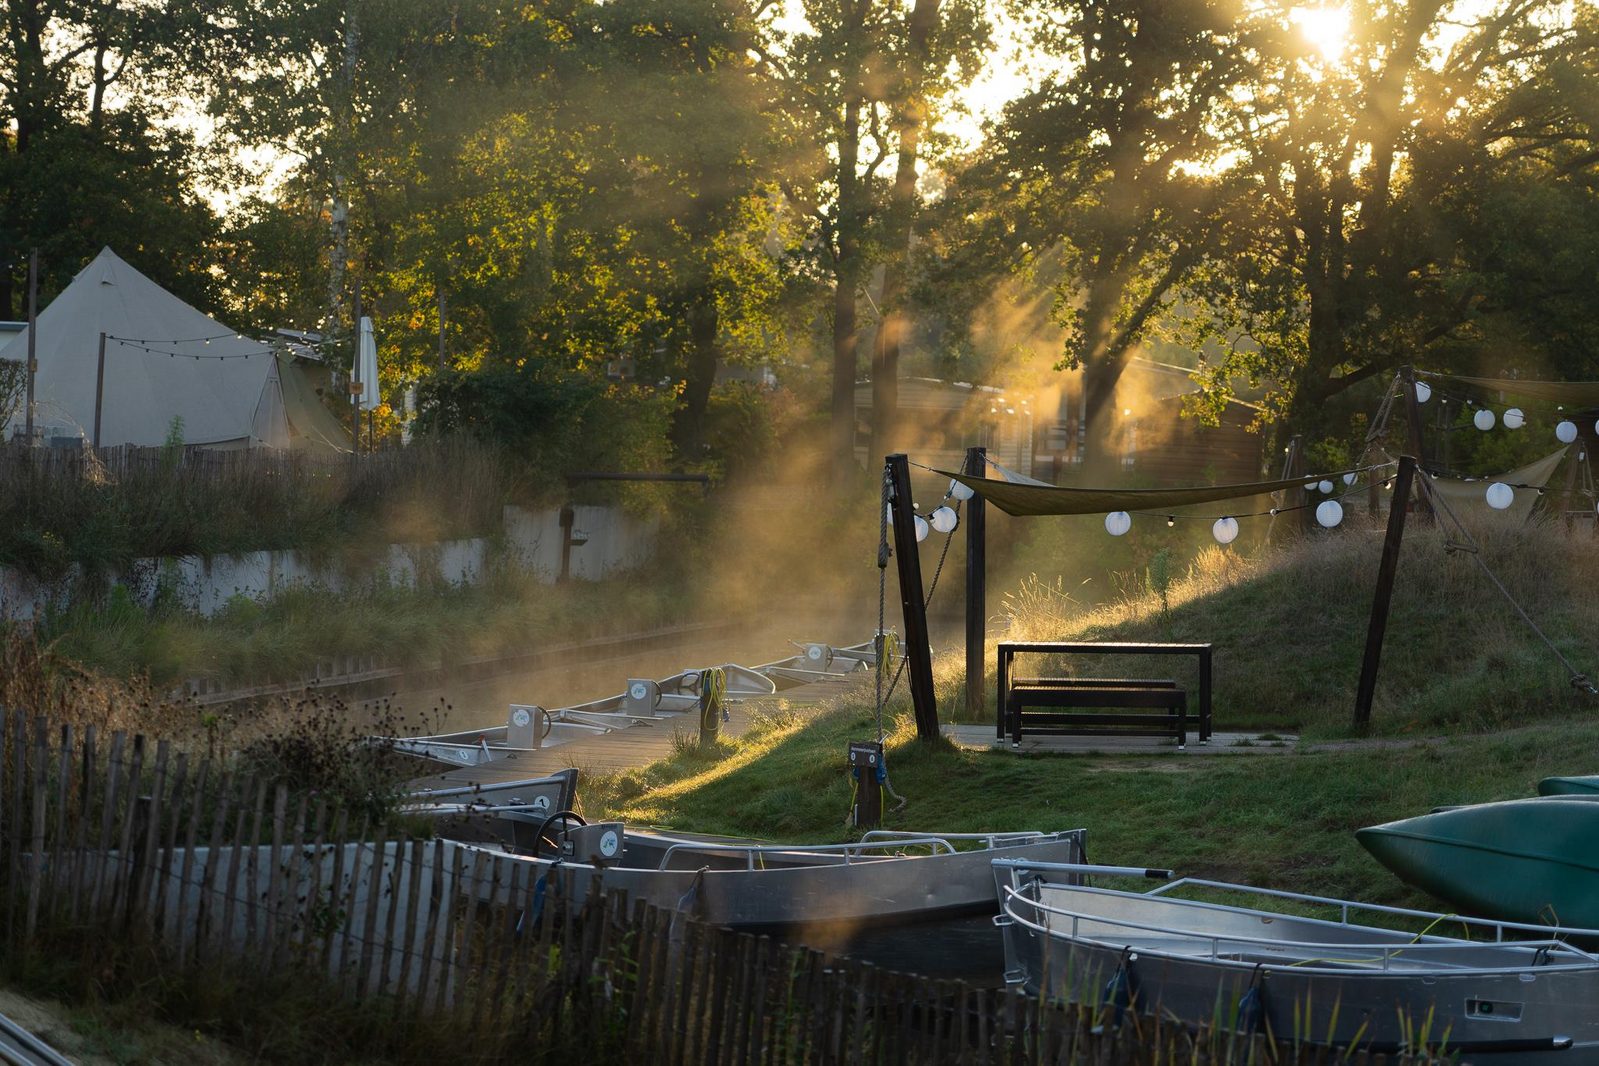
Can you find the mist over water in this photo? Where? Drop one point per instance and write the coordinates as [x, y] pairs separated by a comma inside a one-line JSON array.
[[475, 703]]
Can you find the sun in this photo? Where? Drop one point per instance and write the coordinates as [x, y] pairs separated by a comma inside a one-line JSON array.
[[1325, 28]]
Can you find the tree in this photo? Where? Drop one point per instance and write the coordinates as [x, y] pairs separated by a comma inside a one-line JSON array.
[[1104, 174], [863, 79], [1360, 241], [76, 172]]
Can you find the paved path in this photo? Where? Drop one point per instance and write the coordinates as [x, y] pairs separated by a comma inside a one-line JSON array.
[[981, 737]]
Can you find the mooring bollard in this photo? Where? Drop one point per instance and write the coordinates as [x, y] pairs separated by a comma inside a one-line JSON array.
[[713, 688]]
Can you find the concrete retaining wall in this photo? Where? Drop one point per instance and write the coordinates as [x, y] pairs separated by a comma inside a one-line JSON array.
[[616, 542]]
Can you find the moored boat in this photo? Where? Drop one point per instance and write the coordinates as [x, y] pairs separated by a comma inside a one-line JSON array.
[[471, 812], [1533, 860], [886, 878], [1500, 993], [817, 662], [530, 728], [1569, 786]]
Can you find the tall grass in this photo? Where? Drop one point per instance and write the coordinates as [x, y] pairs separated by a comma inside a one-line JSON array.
[[101, 512], [421, 628], [1289, 627]]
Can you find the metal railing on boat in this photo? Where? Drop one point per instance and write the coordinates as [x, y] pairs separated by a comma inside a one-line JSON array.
[[875, 840], [1421, 942]]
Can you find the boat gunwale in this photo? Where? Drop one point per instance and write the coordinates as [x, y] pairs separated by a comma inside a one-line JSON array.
[[1041, 837], [1385, 830], [1585, 962], [875, 840]]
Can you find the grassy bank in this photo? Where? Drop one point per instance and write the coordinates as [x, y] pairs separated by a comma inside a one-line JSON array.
[[430, 626], [1289, 626], [1471, 707], [1283, 820]]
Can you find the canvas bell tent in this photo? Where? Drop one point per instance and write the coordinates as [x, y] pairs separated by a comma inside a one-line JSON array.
[[167, 367]]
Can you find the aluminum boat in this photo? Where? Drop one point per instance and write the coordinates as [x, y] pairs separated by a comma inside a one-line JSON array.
[[886, 878], [1496, 992], [529, 727], [817, 662]]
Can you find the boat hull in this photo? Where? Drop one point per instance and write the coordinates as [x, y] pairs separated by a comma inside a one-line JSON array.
[[1569, 786], [1488, 1002], [802, 894], [1530, 860]]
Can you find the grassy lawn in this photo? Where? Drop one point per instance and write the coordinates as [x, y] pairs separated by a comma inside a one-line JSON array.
[[1471, 707]]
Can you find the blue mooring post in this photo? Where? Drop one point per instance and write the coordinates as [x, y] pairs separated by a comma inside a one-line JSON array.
[[866, 767]]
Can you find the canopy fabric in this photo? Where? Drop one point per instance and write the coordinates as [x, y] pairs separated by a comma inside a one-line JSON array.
[[1470, 495], [1024, 499], [1574, 392], [171, 374], [312, 426], [271, 423], [365, 370]]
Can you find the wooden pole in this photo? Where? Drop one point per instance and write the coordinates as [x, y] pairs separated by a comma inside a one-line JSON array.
[[33, 340], [1385, 590], [99, 390], [976, 588], [442, 313], [355, 377], [1413, 421], [918, 648]]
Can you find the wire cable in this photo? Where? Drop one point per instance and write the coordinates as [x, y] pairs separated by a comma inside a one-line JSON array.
[[1579, 680]]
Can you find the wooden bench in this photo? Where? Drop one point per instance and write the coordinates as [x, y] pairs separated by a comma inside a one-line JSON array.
[[1099, 706]]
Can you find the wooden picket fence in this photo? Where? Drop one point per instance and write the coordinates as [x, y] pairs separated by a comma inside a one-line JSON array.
[[117, 840]]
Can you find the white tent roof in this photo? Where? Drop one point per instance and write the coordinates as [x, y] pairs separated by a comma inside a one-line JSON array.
[[162, 367]]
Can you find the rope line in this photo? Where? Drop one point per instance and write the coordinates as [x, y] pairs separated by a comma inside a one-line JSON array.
[[1579, 680]]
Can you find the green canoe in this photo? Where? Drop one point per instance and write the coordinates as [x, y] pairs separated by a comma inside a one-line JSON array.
[[1568, 786], [1524, 860]]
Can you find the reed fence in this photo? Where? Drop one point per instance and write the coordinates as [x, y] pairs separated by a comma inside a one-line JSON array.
[[118, 840]]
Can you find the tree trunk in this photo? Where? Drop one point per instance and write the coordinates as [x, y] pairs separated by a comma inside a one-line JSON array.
[[704, 355], [844, 363], [1104, 358], [902, 212], [845, 270], [339, 222], [98, 87]]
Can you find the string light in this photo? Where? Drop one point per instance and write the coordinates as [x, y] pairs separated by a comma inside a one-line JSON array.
[[151, 349]]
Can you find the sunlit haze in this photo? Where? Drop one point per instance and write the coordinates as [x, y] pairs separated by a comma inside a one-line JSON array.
[[1326, 28]]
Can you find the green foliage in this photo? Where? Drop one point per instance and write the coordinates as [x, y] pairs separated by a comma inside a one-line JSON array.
[[567, 419]]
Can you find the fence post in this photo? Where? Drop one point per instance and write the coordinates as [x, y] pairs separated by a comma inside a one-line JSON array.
[[139, 824], [41, 786]]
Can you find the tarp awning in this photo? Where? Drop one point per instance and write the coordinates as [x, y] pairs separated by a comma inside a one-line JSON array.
[[1585, 393], [1472, 494], [1037, 499]]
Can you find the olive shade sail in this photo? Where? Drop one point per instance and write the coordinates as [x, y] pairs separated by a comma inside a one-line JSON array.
[[1035, 499], [1580, 393]]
